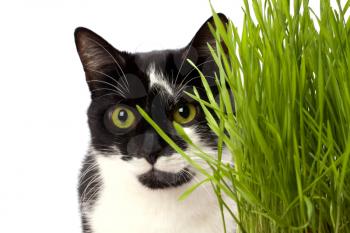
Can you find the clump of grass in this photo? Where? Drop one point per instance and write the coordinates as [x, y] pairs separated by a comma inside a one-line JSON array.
[[289, 129]]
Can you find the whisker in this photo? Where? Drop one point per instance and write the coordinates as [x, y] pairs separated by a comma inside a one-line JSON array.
[[93, 195], [115, 61], [182, 87], [107, 95], [183, 60], [198, 181], [92, 180], [106, 89], [110, 77], [188, 73], [109, 84], [86, 171], [203, 63]]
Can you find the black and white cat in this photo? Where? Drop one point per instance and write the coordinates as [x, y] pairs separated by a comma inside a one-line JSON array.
[[131, 178]]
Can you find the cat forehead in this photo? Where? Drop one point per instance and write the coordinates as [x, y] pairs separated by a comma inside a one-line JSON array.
[[161, 68], [157, 58]]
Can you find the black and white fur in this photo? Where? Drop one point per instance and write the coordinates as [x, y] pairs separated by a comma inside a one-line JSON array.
[[131, 182]]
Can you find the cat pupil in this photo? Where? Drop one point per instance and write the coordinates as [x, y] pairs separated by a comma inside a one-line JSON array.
[[184, 111], [122, 115]]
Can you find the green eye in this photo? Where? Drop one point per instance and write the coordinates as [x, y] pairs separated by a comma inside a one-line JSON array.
[[123, 117], [185, 113]]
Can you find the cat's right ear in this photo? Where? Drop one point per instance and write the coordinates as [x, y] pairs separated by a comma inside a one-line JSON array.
[[96, 55]]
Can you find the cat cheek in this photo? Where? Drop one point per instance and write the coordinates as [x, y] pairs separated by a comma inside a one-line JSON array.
[[173, 163]]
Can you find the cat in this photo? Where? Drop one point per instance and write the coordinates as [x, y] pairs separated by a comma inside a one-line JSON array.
[[131, 178]]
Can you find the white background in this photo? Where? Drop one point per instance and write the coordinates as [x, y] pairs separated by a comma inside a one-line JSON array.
[[44, 97]]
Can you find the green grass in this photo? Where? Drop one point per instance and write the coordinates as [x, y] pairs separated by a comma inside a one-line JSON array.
[[289, 72]]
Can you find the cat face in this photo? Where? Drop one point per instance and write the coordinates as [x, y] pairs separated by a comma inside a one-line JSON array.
[[156, 81]]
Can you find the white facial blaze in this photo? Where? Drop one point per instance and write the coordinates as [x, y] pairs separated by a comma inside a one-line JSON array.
[[157, 78]]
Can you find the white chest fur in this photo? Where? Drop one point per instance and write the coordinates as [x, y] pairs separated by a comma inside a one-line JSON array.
[[125, 206]]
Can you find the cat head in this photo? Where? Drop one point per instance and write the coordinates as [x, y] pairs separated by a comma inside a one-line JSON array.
[[156, 81]]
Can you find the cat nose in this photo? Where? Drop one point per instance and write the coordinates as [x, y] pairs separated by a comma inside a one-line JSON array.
[[146, 145], [151, 147], [152, 158]]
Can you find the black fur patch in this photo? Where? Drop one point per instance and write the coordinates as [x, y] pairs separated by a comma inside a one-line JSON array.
[[155, 179]]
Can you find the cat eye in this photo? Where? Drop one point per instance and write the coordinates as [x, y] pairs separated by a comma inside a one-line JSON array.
[[123, 117], [120, 119], [185, 114]]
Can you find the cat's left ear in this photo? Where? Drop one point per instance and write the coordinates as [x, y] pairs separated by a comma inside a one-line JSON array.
[[199, 44]]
